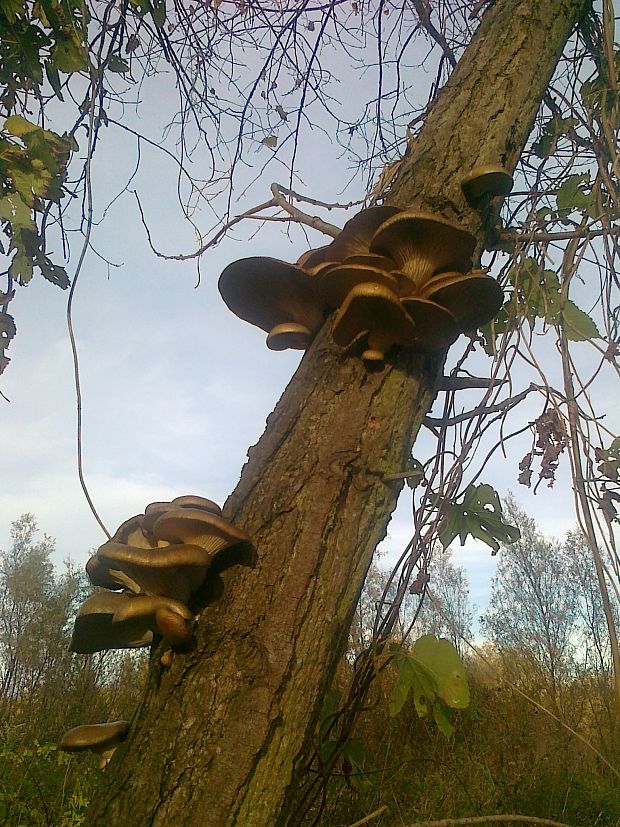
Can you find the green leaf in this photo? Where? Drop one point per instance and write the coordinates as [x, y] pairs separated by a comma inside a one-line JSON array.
[[571, 196], [609, 460], [18, 126], [158, 12], [433, 672], [20, 269], [69, 54], [117, 64], [551, 132], [52, 272], [479, 515], [54, 80], [442, 662], [16, 211], [444, 724], [578, 326]]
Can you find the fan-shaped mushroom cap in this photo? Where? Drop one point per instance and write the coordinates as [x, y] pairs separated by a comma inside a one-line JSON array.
[[99, 575], [174, 571], [313, 261], [473, 299], [131, 531], [486, 182], [358, 232], [163, 615], [423, 244], [200, 528], [96, 737], [267, 293], [373, 309], [337, 282], [94, 630], [194, 501], [435, 326]]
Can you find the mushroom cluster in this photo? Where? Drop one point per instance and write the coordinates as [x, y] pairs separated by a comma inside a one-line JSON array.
[[394, 277], [155, 569]]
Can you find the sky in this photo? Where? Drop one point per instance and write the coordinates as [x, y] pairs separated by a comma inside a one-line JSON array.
[[175, 388]]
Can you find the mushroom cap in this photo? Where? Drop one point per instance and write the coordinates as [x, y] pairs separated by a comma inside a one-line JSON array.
[[190, 525], [131, 532], [435, 327], [337, 282], [486, 181], [423, 244], [376, 310], [96, 737], [289, 335], [473, 299], [315, 260], [94, 630], [162, 615], [154, 510], [194, 501], [358, 232], [174, 571], [174, 628], [267, 292], [99, 574]]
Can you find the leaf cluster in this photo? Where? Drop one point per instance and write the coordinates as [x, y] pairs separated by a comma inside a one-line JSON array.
[[33, 171], [478, 514]]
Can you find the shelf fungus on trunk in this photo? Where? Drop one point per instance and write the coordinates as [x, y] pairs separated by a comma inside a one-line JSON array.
[[474, 299], [99, 738], [278, 297], [485, 182], [109, 620], [422, 245], [164, 561]]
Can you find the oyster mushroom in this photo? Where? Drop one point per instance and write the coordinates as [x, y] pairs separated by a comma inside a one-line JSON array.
[[278, 297], [358, 232], [422, 245], [99, 738], [94, 630], [337, 282], [473, 299], [375, 310], [168, 618], [175, 571], [486, 182]]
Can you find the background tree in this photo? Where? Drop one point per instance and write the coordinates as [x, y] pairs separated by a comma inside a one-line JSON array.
[[533, 610]]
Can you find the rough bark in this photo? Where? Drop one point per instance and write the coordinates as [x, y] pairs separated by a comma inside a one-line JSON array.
[[220, 738]]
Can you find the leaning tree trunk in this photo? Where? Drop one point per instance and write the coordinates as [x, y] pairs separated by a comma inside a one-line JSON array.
[[220, 738]]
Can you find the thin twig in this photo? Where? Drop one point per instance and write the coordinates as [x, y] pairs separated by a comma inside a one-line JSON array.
[[501, 819], [369, 817]]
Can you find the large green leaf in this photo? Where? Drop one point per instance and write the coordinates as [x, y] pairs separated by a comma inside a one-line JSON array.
[[578, 326], [479, 515], [433, 673]]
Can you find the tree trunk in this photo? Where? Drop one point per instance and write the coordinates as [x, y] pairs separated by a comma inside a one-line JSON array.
[[220, 738]]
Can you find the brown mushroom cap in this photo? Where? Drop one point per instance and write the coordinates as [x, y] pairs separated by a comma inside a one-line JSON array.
[[96, 737], [149, 611], [154, 510], [423, 244], [435, 326], [337, 282], [99, 574], [189, 525], [376, 310], [313, 261], [94, 630], [131, 531], [486, 182], [174, 571], [473, 299], [194, 501], [267, 292], [358, 232]]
